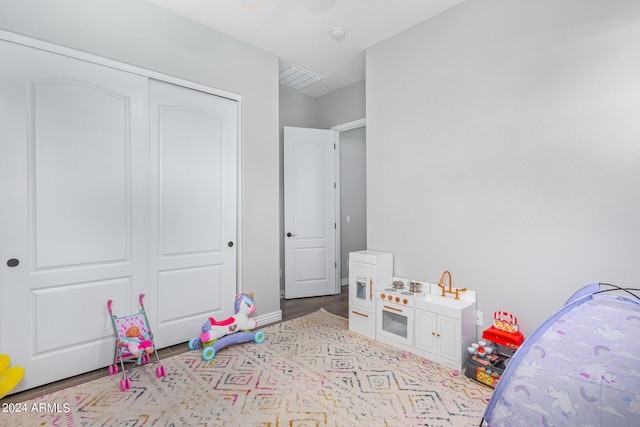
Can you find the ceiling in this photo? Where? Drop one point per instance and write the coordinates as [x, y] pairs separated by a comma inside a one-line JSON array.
[[299, 32]]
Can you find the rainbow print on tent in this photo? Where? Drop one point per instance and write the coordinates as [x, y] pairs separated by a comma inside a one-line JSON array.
[[585, 395]]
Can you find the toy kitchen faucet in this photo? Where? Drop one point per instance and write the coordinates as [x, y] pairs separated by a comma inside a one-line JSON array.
[[450, 290]]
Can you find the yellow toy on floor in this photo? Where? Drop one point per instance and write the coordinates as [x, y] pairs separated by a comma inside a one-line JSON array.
[[9, 377]]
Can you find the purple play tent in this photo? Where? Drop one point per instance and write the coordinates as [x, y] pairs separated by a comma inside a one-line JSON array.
[[580, 368]]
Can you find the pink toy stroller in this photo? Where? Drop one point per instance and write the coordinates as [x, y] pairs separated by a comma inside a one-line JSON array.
[[134, 344]]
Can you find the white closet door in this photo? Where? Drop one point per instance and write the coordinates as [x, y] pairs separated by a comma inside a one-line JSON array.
[[74, 216], [193, 199]]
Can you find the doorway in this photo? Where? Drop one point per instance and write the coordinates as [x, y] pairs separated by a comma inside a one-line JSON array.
[[353, 192], [351, 183], [310, 210]]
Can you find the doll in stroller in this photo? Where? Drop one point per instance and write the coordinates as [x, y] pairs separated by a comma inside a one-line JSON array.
[[134, 344]]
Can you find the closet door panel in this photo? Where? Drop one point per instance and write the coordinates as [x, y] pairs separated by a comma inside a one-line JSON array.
[[75, 214], [80, 167], [51, 304], [191, 175], [179, 284], [193, 161]]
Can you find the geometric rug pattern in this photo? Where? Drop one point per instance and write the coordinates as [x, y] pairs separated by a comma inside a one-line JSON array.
[[309, 372]]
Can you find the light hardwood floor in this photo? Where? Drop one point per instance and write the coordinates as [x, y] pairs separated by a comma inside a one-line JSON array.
[[336, 304]]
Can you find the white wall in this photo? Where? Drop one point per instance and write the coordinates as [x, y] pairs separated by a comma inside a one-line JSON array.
[[503, 145], [323, 112], [341, 106], [297, 110], [138, 33]]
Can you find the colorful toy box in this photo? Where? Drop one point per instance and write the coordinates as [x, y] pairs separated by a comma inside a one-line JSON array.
[[504, 332], [487, 370]]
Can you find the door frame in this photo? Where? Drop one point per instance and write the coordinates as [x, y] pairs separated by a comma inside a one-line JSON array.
[[84, 56], [344, 127]]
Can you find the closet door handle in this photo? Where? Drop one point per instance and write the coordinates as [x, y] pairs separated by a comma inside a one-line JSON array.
[[13, 262], [230, 244]]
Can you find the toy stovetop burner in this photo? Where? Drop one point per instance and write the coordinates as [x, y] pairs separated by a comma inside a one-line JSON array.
[[450, 290], [504, 330]]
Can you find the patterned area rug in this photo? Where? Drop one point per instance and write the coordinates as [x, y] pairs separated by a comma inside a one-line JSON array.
[[310, 371]]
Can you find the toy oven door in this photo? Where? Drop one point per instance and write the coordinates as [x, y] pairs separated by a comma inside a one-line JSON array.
[[394, 322]]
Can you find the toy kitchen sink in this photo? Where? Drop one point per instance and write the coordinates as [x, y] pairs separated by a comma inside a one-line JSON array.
[[445, 326]]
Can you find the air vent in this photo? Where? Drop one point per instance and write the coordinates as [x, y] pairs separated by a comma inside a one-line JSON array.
[[297, 78]]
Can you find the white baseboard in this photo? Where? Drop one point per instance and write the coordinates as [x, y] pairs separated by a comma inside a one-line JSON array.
[[268, 318], [345, 281]]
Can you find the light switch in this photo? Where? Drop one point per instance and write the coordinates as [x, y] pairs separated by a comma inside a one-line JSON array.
[[348, 218]]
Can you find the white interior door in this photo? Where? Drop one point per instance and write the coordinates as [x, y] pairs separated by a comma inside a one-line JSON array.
[[310, 200], [73, 227], [193, 219]]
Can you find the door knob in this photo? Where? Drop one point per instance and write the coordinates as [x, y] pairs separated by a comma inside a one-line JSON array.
[[13, 262], [291, 235], [230, 244]]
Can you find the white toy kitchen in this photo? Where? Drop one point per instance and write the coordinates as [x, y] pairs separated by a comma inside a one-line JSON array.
[[433, 320]]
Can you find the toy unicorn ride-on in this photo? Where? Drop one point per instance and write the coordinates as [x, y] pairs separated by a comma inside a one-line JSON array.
[[212, 329], [217, 335]]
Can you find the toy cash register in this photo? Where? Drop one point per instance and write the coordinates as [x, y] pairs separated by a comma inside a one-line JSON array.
[[504, 331]]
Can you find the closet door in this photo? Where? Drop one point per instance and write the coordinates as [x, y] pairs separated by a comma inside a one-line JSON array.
[[193, 200], [75, 209]]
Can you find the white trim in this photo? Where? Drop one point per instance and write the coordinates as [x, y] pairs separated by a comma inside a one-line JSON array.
[[350, 125], [265, 319], [84, 56], [344, 127], [239, 201], [337, 218]]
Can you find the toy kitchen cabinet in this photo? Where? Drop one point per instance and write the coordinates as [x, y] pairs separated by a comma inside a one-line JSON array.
[[445, 327], [368, 271]]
